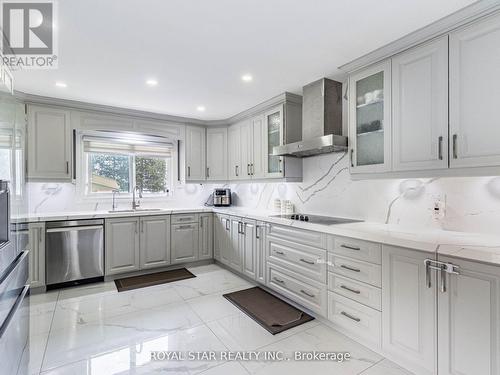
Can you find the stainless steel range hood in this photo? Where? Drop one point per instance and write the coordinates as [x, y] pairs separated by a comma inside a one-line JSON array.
[[321, 121]]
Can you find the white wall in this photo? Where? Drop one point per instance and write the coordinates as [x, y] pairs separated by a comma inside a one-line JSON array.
[[472, 203]]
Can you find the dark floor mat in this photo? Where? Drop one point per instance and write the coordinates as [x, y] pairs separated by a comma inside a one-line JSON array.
[[136, 282], [269, 311]]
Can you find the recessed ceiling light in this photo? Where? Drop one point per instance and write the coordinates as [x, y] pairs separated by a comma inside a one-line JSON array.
[[61, 84], [151, 82], [246, 78], [201, 108]]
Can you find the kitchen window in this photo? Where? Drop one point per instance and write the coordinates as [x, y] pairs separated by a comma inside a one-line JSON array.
[[120, 162]]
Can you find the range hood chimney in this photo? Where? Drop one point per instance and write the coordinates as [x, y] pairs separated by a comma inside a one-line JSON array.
[[321, 121]]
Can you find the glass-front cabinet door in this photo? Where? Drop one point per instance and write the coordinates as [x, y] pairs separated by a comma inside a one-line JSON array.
[[370, 119], [274, 137]]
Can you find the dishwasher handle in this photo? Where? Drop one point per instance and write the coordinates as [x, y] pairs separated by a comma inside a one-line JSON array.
[[72, 229]]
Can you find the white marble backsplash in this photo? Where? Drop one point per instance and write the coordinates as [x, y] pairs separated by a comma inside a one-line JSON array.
[[472, 203]]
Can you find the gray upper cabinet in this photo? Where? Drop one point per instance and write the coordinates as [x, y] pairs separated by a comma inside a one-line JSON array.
[[122, 245], [216, 154], [370, 119], [474, 94], [274, 136], [420, 107], [185, 242], [206, 236], [234, 152], [195, 153], [49, 144], [155, 241]]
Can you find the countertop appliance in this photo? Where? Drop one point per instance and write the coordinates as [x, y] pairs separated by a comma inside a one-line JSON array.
[[321, 121], [74, 252], [222, 197], [317, 219], [14, 305]]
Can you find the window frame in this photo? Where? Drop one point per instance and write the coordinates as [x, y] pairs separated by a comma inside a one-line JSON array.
[[83, 175]]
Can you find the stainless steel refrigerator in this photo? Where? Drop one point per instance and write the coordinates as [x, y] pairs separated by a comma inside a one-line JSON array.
[[14, 269]]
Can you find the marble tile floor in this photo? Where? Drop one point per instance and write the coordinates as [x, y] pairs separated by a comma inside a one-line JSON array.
[[94, 330]]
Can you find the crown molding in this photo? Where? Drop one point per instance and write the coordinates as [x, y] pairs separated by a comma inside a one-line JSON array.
[[438, 28], [85, 106]]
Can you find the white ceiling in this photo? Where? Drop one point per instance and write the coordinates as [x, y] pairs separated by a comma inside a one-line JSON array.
[[198, 50]]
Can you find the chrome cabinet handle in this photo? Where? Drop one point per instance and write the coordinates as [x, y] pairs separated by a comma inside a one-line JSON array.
[[257, 230], [350, 268], [350, 247], [40, 235], [208, 172], [227, 222], [236, 170], [279, 252], [352, 158], [440, 148], [442, 273], [67, 167], [350, 290], [185, 227], [278, 280], [455, 152], [142, 226], [189, 171], [428, 273], [306, 293], [248, 169], [306, 261], [185, 218], [350, 316], [135, 226]]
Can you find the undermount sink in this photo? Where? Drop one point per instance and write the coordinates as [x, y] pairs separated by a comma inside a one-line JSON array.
[[136, 210]]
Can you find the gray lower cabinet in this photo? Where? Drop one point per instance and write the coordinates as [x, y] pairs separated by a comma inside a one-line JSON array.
[[37, 255], [185, 242], [206, 236], [122, 252], [408, 309], [260, 252], [222, 239], [155, 241], [469, 319], [247, 243], [234, 253]]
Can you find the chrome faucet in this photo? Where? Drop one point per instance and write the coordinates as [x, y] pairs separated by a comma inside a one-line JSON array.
[[136, 203], [114, 206]]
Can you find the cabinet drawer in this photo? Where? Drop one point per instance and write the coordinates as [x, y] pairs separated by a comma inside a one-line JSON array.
[[184, 218], [355, 269], [363, 293], [307, 292], [357, 249], [361, 321], [306, 237], [306, 260]]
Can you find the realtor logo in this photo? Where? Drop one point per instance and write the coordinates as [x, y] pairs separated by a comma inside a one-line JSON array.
[[28, 40]]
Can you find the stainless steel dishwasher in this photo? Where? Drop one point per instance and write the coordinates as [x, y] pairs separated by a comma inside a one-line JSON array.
[[74, 252]]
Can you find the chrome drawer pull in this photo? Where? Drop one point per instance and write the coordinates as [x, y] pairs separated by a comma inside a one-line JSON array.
[[185, 227], [350, 268], [350, 247], [278, 280], [307, 294], [279, 252], [306, 261], [350, 316], [350, 290]]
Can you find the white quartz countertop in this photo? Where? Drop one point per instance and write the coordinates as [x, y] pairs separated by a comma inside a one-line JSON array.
[[470, 246]]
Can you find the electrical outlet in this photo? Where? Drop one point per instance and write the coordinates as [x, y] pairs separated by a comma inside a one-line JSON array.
[[439, 207]]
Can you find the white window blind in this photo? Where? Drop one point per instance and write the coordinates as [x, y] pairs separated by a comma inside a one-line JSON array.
[[128, 144]]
